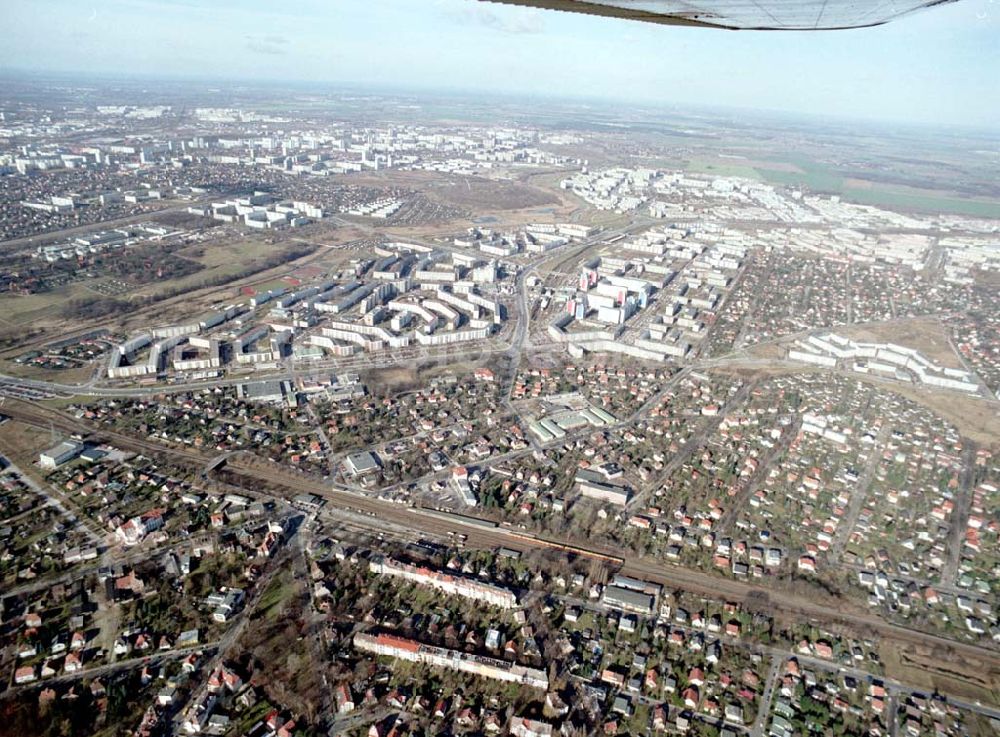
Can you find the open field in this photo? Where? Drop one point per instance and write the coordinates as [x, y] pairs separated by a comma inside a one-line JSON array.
[[603, 218], [723, 167], [162, 300], [478, 194], [175, 299], [23, 442], [217, 254], [560, 211], [926, 335], [199, 297], [816, 176], [911, 199], [219, 260], [64, 376], [819, 178], [923, 669], [19, 311]]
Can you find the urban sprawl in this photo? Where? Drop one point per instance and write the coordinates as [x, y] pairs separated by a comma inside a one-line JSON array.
[[316, 425]]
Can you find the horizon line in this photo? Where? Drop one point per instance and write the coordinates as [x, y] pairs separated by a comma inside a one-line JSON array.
[[833, 120]]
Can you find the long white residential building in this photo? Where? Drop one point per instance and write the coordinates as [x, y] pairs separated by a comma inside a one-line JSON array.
[[468, 588], [889, 358], [417, 652]]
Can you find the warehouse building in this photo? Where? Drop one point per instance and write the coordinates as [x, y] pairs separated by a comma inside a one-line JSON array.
[[60, 454]]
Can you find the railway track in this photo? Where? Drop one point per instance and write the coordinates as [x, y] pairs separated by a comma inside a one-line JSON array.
[[286, 485]]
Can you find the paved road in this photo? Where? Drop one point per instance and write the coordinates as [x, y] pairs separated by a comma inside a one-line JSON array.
[[891, 718], [124, 556], [238, 624], [56, 500], [960, 515], [764, 710], [708, 426], [152, 658], [858, 497], [745, 488]]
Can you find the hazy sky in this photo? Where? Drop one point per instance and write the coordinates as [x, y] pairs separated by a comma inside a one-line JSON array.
[[939, 65]]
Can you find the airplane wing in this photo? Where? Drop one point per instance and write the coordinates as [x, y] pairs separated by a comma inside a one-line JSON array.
[[772, 15]]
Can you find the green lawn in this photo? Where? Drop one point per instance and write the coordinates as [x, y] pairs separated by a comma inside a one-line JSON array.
[[923, 202], [277, 592], [20, 310], [815, 176], [217, 254], [723, 168], [819, 178]]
